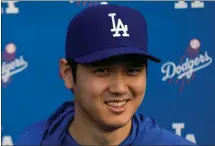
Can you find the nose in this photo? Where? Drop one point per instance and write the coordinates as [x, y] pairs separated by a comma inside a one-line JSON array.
[[118, 85]]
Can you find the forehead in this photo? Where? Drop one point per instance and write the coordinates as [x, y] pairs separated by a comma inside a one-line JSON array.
[[122, 60]]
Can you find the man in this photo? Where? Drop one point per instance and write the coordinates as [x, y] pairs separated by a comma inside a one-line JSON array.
[[106, 69]]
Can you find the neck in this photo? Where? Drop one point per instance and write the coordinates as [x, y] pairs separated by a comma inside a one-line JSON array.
[[85, 132]]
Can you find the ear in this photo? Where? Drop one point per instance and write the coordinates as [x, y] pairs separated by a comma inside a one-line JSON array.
[[66, 73]]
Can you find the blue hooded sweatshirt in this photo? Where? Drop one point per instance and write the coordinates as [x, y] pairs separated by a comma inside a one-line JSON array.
[[54, 131]]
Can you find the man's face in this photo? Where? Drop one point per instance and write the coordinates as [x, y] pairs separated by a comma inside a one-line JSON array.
[[109, 92]]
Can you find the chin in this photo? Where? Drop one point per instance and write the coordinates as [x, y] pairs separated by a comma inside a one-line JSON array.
[[116, 123]]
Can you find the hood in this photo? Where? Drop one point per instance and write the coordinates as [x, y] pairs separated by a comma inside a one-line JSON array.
[[59, 122]]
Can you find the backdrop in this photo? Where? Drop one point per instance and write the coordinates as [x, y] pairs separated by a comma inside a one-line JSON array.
[[180, 92]]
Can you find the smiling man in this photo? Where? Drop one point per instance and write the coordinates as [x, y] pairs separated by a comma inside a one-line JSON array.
[[106, 69]]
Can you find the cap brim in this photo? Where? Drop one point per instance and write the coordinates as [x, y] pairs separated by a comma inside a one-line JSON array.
[[107, 53]]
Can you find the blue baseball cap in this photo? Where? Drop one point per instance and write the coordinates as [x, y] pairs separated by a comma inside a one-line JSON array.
[[103, 31]]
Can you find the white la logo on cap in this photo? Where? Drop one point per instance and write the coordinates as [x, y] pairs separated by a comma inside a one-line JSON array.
[[119, 27]]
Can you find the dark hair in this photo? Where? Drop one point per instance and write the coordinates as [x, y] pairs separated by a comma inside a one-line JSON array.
[[73, 65]]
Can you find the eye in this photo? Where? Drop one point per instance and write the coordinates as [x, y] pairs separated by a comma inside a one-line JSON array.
[[101, 71], [133, 71]]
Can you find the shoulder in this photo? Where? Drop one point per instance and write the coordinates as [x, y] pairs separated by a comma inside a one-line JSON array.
[[166, 137], [152, 133], [32, 135]]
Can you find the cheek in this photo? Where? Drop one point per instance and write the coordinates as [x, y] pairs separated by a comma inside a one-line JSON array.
[[138, 91], [138, 87], [96, 87], [90, 97], [90, 89]]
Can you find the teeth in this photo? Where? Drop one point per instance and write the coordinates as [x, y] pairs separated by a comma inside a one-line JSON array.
[[116, 104]]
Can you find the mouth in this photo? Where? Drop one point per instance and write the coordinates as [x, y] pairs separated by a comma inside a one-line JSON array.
[[117, 106]]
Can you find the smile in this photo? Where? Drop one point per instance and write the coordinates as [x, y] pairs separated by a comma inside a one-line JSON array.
[[117, 106]]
